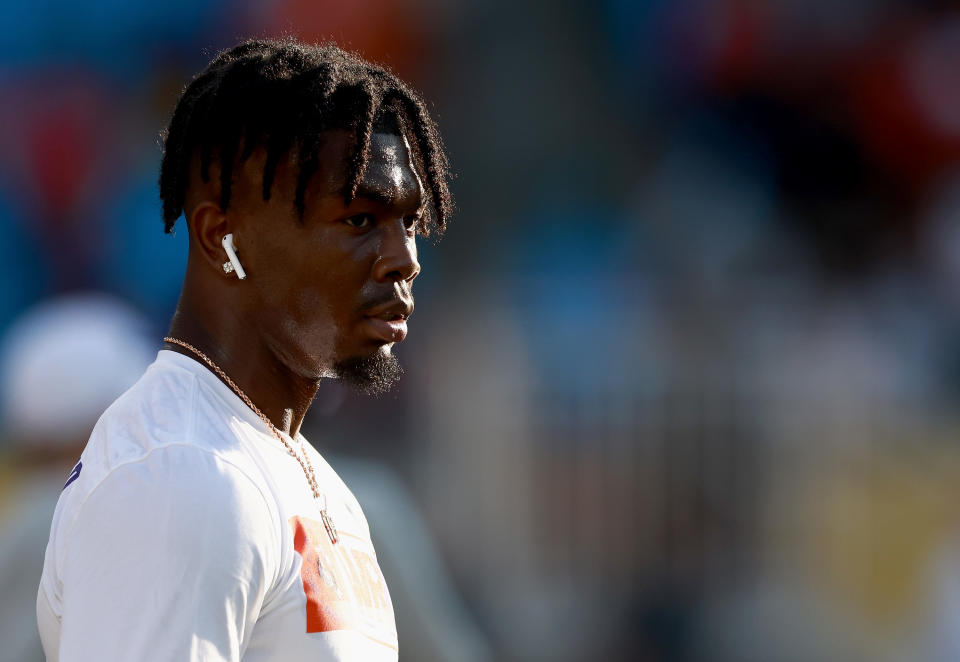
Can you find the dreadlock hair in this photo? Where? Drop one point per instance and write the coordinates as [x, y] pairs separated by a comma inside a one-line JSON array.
[[282, 94]]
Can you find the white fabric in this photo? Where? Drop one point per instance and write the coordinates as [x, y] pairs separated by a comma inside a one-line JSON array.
[[190, 533]]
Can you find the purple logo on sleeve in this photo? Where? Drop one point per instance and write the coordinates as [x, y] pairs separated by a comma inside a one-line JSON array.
[[73, 474]]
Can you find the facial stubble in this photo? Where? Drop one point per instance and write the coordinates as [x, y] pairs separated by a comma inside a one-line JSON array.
[[371, 375]]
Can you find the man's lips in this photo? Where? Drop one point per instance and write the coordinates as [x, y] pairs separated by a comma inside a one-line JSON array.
[[388, 321], [393, 330]]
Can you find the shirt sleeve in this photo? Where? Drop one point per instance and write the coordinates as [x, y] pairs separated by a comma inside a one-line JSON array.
[[169, 558]]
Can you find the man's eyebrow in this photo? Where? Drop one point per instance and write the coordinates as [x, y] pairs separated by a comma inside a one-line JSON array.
[[384, 197]]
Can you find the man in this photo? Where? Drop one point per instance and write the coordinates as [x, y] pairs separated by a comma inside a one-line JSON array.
[[199, 524]]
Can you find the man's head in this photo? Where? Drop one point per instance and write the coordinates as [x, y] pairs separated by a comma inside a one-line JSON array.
[[324, 168]]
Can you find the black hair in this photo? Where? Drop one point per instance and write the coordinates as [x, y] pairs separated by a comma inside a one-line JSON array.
[[282, 94]]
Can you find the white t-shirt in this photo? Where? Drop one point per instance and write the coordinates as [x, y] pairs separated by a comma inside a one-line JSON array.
[[188, 532]]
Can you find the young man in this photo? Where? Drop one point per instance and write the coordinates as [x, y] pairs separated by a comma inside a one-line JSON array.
[[199, 524]]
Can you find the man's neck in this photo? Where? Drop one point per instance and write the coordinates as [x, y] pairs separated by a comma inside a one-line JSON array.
[[247, 360]]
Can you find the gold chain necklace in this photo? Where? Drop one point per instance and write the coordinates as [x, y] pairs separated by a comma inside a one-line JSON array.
[[303, 461]]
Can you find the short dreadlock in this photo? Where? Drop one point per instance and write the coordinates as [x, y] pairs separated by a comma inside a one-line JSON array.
[[283, 94]]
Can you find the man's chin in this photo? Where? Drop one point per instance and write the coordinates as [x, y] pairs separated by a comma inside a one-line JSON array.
[[372, 374]]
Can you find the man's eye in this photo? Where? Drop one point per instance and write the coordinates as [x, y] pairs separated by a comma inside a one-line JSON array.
[[359, 221]]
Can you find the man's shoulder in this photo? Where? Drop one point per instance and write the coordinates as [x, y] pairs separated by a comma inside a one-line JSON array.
[[169, 437], [157, 441], [165, 410], [158, 410]]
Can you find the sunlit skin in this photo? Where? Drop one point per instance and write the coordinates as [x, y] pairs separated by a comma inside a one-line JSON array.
[[334, 286]]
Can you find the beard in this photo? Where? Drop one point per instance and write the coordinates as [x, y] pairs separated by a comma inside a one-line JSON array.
[[370, 375]]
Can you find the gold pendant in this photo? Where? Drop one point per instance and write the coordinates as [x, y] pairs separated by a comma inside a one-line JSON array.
[[328, 525]]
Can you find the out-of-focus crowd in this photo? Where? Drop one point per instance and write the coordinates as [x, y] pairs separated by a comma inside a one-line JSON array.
[[684, 375]]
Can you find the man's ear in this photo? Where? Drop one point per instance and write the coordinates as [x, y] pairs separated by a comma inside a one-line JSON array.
[[208, 225]]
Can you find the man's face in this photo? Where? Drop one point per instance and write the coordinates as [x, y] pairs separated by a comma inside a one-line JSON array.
[[331, 294]]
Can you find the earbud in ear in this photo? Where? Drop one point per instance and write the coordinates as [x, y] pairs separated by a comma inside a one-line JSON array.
[[233, 264]]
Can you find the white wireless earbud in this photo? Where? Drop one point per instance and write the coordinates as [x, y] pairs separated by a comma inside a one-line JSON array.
[[234, 263]]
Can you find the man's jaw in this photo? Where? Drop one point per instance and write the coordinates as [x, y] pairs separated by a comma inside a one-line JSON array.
[[385, 322], [373, 374]]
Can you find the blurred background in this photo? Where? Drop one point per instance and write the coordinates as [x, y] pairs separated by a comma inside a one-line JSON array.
[[684, 377]]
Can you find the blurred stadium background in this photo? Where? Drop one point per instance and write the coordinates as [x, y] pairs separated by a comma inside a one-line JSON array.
[[684, 376]]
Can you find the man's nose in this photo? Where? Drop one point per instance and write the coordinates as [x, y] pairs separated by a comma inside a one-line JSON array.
[[398, 255]]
